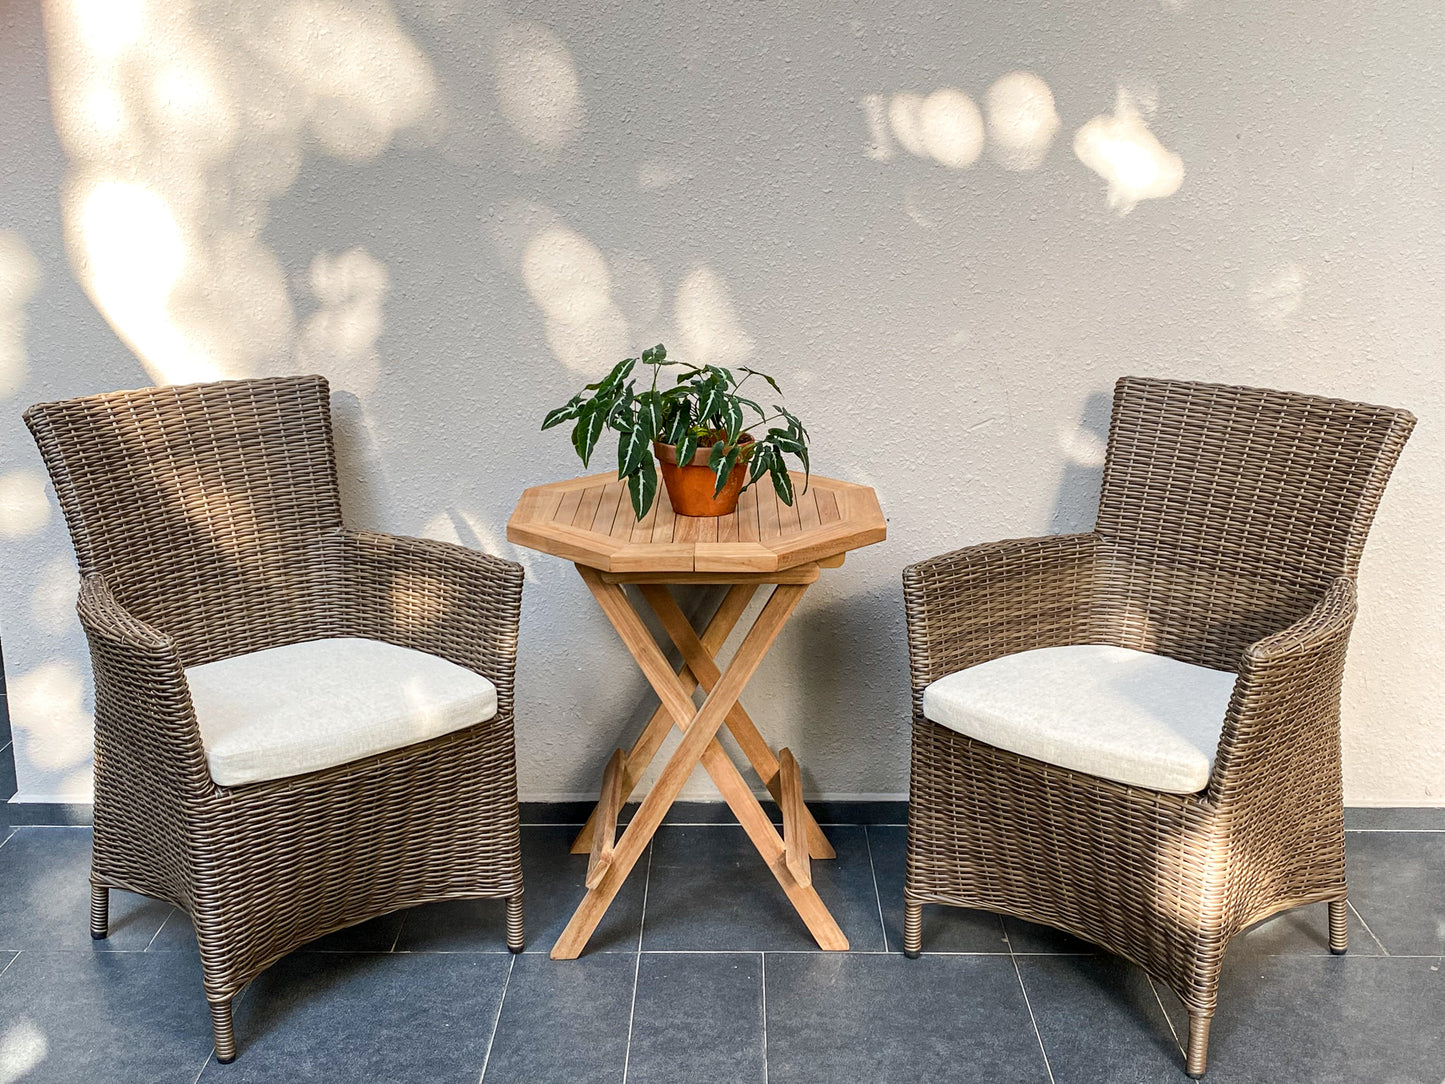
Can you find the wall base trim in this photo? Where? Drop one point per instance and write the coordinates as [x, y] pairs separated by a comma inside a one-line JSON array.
[[22, 811]]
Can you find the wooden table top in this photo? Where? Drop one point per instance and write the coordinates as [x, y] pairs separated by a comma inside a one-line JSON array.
[[589, 521]]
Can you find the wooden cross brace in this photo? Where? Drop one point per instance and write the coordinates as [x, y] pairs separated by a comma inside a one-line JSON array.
[[787, 856]]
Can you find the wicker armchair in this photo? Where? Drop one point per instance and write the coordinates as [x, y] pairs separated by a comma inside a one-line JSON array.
[[207, 524], [1230, 526]]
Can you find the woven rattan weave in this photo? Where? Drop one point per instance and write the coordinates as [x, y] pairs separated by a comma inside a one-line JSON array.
[[207, 523], [1230, 526]]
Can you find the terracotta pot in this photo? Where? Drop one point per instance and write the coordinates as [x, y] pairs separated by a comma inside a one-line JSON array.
[[690, 485]]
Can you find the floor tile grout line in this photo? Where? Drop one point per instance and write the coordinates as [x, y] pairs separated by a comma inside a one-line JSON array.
[[486, 1058], [637, 967], [1350, 904], [202, 1070], [1159, 1000], [877, 895], [399, 927], [763, 986], [1039, 1035], [159, 928], [11, 961]]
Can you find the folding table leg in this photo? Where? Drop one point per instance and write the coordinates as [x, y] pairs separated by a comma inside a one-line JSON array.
[[650, 740], [739, 723], [700, 734]]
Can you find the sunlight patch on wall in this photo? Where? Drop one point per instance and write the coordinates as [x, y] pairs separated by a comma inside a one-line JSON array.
[[366, 80], [182, 123], [48, 703], [537, 85], [24, 507], [1278, 294], [19, 283], [568, 278], [951, 128], [1022, 120], [339, 339], [52, 603], [945, 126], [131, 257], [1081, 446], [1121, 149], [708, 327], [462, 527]]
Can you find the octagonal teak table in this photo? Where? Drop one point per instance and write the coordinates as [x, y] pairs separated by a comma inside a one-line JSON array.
[[590, 522]]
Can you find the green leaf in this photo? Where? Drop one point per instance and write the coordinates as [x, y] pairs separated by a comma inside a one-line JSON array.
[[676, 424], [632, 449], [771, 382], [714, 457], [686, 445], [742, 401], [649, 414], [782, 481], [732, 420], [619, 412], [642, 487], [588, 429], [710, 400], [724, 469], [560, 415], [760, 462]]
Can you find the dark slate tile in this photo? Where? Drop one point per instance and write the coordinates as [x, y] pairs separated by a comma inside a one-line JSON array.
[[45, 896], [1304, 931], [564, 1020], [1100, 1020], [1408, 819], [102, 1016], [327, 1016], [698, 1018], [1031, 937], [945, 929], [1397, 884], [554, 884], [1325, 1018], [709, 889], [883, 1018]]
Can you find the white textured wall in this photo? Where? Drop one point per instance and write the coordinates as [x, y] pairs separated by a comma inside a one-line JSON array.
[[459, 211]]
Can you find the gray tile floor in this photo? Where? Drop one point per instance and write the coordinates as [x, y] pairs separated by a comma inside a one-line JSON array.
[[701, 975]]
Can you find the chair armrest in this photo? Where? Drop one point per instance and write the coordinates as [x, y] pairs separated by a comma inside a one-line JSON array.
[[446, 600], [1283, 722], [976, 604], [145, 728]]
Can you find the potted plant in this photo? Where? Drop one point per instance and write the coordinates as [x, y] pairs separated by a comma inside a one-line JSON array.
[[697, 430]]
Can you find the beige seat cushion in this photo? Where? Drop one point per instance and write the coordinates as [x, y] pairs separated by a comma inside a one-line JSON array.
[[1136, 718], [308, 706]]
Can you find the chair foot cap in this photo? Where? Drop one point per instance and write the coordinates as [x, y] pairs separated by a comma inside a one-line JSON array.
[[225, 1061], [913, 955], [98, 936], [516, 951], [1337, 951]]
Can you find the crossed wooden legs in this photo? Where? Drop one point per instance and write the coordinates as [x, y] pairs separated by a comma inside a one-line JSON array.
[[787, 856]]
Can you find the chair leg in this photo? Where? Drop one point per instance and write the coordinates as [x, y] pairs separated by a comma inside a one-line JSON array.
[[225, 1034], [912, 929], [99, 912], [516, 936], [1339, 926], [1198, 1044]]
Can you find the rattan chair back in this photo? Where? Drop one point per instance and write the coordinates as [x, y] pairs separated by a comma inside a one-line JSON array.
[[200, 505], [1228, 512]]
